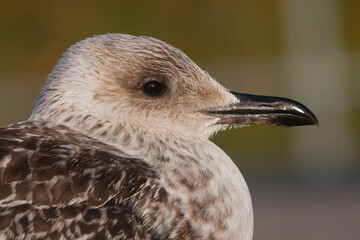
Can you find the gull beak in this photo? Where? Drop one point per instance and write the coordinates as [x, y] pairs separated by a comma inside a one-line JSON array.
[[256, 109]]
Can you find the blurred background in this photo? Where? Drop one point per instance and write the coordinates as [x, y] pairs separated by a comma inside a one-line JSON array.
[[305, 181]]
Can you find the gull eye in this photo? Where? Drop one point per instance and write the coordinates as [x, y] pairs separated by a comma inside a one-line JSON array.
[[153, 88]]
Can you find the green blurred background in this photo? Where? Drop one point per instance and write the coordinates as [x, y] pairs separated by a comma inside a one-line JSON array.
[[305, 182]]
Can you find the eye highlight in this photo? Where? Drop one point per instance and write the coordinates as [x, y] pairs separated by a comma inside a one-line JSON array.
[[153, 88]]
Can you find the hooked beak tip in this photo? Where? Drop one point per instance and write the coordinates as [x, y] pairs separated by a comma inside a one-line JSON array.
[[257, 109]]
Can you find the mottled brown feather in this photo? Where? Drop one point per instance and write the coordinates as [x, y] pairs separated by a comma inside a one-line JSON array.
[[44, 169]]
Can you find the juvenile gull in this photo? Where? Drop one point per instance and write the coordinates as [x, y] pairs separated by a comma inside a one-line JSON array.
[[117, 147]]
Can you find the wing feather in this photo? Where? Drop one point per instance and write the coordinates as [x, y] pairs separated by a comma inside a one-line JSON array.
[[57, 183]]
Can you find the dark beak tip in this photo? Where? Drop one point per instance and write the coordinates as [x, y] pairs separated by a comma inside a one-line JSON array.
[[312, 122], [316, 122], [257, 109], [304, 117], [312, 119]]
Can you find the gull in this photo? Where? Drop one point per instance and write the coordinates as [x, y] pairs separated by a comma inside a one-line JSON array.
[[117, 147]]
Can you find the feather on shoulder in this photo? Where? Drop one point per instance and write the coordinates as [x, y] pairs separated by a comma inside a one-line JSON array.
[[56, 182]]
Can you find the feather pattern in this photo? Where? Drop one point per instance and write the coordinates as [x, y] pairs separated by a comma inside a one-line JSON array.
[[100, 159], [57, 183]]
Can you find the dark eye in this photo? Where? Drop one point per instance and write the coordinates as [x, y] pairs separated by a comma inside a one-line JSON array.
[[153, 88]]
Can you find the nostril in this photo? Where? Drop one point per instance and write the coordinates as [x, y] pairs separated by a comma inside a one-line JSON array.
[[269, 105]]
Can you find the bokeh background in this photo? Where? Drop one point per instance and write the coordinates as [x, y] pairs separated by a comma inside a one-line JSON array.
[[305, 181]]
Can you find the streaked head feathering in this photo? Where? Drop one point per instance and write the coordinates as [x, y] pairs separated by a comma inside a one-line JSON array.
[[100, 80]]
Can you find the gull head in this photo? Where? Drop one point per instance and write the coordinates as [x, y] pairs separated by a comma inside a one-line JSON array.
[[117, 80]]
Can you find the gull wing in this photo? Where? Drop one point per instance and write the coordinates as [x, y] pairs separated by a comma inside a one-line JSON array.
[[58, 183]]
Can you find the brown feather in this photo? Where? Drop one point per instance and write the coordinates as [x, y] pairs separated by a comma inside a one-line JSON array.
[[56, 182]]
